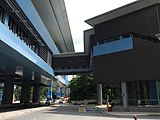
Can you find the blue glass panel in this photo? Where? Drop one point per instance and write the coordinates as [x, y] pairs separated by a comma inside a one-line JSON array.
[[49, 95], [14, 42], [112, 47], [58, 95], [63, 94], [61, 79], [152, 92]]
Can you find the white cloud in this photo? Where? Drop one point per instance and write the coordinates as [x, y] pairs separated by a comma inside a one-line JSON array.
[[80, 10]]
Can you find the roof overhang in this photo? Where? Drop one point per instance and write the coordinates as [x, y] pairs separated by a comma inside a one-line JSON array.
[[53, 14], [126, 9]]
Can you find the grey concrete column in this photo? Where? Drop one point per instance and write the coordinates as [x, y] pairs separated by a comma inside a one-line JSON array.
[[67, 91], [26, 86], [8, 91], [36, 88], [124, 94], [158, 92], [36, 93], [99, 94], [63, 91], [58, 92], [8, 85], [50, 93]]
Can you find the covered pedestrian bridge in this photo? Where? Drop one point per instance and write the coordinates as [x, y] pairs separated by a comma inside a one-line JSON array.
[[71, 63]]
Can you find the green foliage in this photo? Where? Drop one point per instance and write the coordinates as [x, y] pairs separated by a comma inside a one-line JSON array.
[[82, 87], [112, 92], [17, 92], [43, 93]]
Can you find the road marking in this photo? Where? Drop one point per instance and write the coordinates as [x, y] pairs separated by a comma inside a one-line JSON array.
[[81, 109]]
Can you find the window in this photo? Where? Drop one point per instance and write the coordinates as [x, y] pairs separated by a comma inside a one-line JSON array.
[[49, 59], [125, 36], [10, 23], [33, 47], [101, 42], [116, 38], [28, 40], [95, 44], [1, 14], [14, 27]]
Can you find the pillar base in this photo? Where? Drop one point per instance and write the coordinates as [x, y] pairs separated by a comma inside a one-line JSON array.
[[124, 94], [99, 94]]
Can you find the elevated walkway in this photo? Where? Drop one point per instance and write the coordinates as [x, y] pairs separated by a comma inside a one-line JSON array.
[[71, 63]]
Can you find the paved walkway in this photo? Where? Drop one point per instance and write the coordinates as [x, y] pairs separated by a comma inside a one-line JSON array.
[[104, 110], [101, 108], [10, 114]]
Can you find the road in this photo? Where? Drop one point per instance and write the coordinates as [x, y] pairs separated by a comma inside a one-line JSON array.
[[63, 112]]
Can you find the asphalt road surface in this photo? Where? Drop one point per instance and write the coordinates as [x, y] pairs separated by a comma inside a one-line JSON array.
[[63, 112]]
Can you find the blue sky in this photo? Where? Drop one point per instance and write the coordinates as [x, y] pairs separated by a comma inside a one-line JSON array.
[[80, 10]]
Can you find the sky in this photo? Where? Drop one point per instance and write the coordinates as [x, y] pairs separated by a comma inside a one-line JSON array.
[[80, 10]]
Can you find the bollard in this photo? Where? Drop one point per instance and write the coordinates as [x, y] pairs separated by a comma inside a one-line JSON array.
[[109, 107], [135, 117]]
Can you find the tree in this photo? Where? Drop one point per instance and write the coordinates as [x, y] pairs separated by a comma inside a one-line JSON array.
[[43, 92], [111, 91], [82, 87], [17, 92]]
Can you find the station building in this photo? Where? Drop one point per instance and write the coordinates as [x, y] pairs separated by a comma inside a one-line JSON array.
[[122, 49], [31, 32], [126, 51]]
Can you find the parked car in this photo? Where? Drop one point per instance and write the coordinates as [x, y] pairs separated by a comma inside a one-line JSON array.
[[48, 102], [58, 101]]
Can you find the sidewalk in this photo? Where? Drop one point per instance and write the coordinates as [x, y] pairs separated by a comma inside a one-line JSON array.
[[10, 114], [104, 110], [101, 108]]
